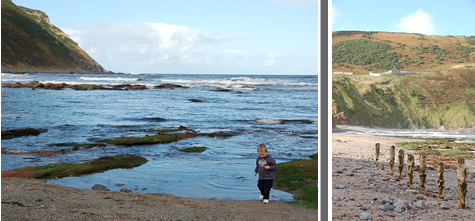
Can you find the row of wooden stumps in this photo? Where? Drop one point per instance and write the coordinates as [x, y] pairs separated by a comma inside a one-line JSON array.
[[461, 172]]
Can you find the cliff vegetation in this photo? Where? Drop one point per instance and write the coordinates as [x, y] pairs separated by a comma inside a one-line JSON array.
[[444, 99], [31, 44]]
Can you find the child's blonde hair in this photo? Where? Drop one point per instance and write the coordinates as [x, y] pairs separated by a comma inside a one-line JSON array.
[[262, 148]]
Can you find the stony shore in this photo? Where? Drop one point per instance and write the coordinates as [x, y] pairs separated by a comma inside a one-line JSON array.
[[33, 199], [361, 191]]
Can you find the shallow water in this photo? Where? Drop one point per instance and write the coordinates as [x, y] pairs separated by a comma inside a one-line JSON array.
[[280, 111]]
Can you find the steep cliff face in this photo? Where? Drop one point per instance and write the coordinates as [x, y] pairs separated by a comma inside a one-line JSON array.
[[431, 100], [31, 44]]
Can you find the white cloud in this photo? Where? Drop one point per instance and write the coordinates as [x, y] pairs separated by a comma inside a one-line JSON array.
[[162, 48], [335, 14], [298, 2], [123, 45], [418, 22], [271, 61]]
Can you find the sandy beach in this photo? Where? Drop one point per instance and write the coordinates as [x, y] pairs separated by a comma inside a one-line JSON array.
[[359, 189], [32, 199]]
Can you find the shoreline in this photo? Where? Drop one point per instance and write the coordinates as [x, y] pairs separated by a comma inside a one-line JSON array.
[[35, 199], [358, 187]]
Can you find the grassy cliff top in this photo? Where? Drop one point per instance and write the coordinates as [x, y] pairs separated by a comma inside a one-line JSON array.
[[361, 52]]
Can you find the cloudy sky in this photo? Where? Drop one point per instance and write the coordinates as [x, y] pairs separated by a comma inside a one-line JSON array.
[[431, 17], [187, 36]]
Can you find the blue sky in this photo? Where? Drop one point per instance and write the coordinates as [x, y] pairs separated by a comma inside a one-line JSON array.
[[178, 36], [432, 17]]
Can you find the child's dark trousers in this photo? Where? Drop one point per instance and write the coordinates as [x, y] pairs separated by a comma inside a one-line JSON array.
[[264, 187]]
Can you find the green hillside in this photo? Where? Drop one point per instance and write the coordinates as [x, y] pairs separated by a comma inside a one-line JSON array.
[[428, 100], [31, 44], [363, 52]]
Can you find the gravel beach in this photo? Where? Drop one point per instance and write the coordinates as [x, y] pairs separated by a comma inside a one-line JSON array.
[[360, 191], [32, 199]]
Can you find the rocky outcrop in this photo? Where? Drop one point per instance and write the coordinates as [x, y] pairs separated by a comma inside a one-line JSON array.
[[168, 86], [50, 86], [60, 170], [8, 134]]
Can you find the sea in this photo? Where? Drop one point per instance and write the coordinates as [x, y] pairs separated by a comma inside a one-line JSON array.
[[280, 111]]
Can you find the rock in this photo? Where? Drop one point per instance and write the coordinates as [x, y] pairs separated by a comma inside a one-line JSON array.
[[341, 187], [100, 187], [222, 90], [387, 200], [119, 184], [125, 190], [8, 134], [336, 198], [196, 100], [386, 207], [365, 216], [168, 86], [359, 205], [401, 206], [444, 207], [421, 204]]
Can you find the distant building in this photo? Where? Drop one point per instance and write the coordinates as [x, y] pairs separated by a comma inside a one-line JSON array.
[[345, 73], [393, 71]]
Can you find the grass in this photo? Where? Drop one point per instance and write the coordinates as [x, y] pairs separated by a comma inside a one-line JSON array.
[[441, 150], [194, 150], [163, 136], [300, 178], [60, 170]]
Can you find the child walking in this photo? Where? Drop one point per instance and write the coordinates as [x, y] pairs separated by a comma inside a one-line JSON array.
[[265, 167]]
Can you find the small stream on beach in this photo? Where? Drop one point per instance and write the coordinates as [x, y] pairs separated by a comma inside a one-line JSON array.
[[279, 111]]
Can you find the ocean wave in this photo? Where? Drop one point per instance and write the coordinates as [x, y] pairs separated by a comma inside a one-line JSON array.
[[284, 121], [108, 79], [237, 83], [16, 77]]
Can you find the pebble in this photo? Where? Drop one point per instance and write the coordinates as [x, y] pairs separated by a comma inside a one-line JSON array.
[[401, 206], [386, 207], [100, 187], [359, 205], [363, 208], [387, 200], [365, 216], [444, 207], [341, 187], [421, 204], [125, 190]]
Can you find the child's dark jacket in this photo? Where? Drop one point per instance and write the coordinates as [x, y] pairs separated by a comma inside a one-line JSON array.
[[265, 174]]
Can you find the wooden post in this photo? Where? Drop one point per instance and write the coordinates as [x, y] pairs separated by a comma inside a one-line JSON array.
[[377, 155], [462, 181], [401, 163], [422, 170], [391, 160], [440, 180], [410, 168]]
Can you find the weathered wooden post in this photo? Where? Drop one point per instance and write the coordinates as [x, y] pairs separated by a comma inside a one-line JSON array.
[[410, 168], [422, 170], [462, 181], [377, 155], [440, 180], [401, 163], [391, 160]]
